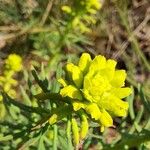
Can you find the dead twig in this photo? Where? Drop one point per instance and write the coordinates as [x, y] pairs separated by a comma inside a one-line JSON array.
[[135, 32], [46, 13]]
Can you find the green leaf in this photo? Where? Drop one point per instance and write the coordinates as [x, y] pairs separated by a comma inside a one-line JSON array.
[[144, 100], [25, 96], [30, 142], [8, 101], [5, 138], [41, 145], [130, 100], [42, 83]]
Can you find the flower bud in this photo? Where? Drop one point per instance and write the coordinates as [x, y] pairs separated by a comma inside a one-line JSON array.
[[75, 131], [84, 126], [53, 119]]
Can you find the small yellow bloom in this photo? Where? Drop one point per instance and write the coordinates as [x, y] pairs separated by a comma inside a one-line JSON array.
[[97, 87], [53, 119], [14, 62], [82, 14], [66, 9], [93, 5]]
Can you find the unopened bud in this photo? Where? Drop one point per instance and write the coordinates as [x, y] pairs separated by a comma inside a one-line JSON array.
[[75, 131]]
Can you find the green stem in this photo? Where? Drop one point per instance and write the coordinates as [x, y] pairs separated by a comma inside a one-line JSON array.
[[147, 126], [131, 107], [52, 96], [55, 138], [135, 84], [136, 47], [95, 136], [137, 119], [70, 147]]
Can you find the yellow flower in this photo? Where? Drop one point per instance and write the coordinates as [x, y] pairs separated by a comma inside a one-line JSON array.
[[93, 5], [14, 62], [82, 14], [66, 9], [97, 87], [53, 119]]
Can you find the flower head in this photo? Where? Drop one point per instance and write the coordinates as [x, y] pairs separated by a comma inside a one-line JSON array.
[[14, 62], [96, 87], [93, 5], [82, 13]]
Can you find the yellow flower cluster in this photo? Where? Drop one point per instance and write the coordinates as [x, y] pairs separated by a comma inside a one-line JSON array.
[[82, 13], [13, 64], [93, 5], [96, 87], [90, 6]]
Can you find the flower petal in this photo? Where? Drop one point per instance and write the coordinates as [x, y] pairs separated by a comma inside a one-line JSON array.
[[69, 68], [121, 92], [75, 74], [87, 95], [109, 71], [84, 62], [62, 82], [77, 105], [93, 110], [119, 78], [114, 105], [71, 92], [98, 63], [87, 80], [105, 119], [111, 63]]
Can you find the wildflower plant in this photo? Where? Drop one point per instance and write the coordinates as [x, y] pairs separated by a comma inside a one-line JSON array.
[[65, 117], [80, 107], [81, 13], [96, 87]]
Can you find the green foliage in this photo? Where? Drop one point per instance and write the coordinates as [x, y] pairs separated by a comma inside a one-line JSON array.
[[29, 126], [50, 33]]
